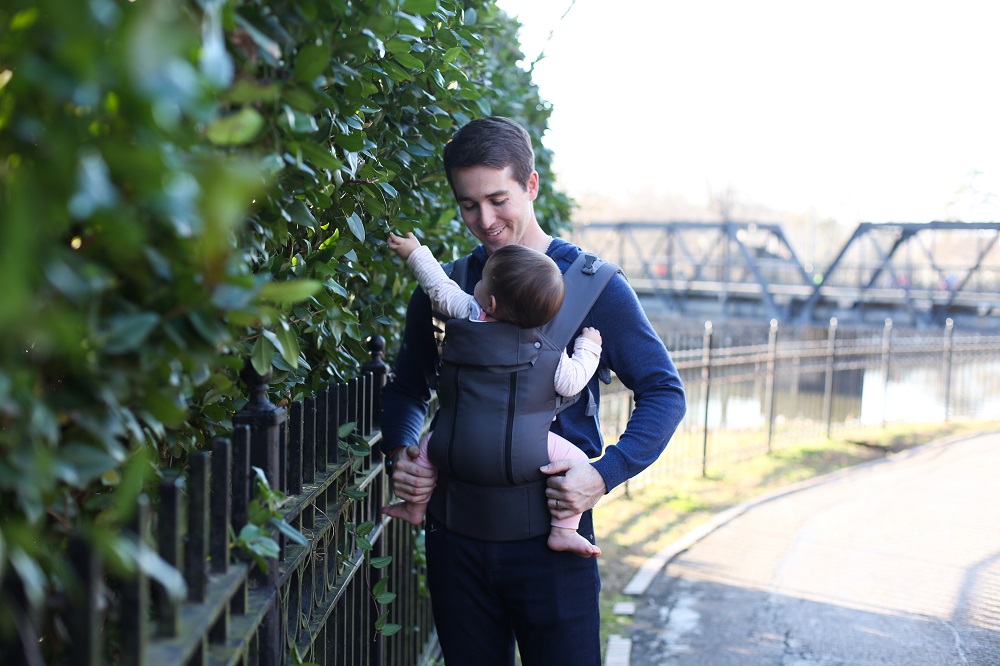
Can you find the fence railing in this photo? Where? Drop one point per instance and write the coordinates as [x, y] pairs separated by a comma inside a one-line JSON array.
[[752, 390], [321, 601]]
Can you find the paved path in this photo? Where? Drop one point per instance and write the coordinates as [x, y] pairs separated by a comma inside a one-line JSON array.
[[895, 562]]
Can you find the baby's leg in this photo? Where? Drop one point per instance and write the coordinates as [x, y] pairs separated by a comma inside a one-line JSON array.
[[412, 512], [563, 535]]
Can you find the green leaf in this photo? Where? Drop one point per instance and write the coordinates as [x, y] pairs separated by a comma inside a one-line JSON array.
[[454, 53], [289, 346], [261, 356], [32, 577], [396, 46], [365, 528], [79, 464], [289, 531], [312, 62], [127, 332], [346, 429], [352, 142], [289, 291], [300, 214], [382, 563], [235, 129], [422, 7], [389, 628], [408, 61], [385, 597], [275, 342], [154, 566], [356, 226], [319, 155]]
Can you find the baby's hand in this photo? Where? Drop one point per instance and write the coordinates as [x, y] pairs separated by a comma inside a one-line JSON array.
[[403, 246], [591, 334]]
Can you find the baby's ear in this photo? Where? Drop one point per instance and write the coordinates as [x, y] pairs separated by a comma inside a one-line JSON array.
[[493, 305]]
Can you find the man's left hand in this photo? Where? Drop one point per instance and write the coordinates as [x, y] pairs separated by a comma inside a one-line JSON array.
[[573, 487]]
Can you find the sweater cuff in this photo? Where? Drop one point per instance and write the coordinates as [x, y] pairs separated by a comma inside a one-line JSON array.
[[611, 468], [587, 345]]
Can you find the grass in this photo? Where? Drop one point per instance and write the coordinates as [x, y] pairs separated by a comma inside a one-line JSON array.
[[632, 528]]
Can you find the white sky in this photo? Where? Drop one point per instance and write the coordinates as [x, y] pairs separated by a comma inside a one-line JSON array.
[[854, 110]]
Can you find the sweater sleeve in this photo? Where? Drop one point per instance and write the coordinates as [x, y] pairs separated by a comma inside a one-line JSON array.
[[642, 363], [446, 296], [573, 372], [406, 397]]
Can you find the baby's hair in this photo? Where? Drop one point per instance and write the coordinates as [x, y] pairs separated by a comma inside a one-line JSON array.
[[527, 285]]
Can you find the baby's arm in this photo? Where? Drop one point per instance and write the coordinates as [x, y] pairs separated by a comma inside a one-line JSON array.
[[448, 298], [575, 371]]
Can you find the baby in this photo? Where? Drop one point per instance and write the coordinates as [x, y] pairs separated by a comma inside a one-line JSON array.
[[524, 287]]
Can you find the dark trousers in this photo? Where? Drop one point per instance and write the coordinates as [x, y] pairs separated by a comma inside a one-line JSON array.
[[487, 594]]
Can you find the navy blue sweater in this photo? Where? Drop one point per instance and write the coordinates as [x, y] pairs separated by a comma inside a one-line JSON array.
[[631, 348]]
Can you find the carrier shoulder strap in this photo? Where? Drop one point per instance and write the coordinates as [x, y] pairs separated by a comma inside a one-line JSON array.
[[585, 280]]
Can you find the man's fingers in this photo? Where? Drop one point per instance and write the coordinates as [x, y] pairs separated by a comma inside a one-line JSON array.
[[557, 467]]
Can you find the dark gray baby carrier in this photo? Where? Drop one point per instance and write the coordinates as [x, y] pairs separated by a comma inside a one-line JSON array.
[[497, 402]]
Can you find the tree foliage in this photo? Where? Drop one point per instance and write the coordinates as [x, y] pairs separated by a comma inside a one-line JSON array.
[[186, 185]]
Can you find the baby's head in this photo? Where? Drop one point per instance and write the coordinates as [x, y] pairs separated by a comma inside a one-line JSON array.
[[522, 285]]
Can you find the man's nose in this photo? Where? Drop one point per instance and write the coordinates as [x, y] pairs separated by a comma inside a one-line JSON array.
[[486, 217]]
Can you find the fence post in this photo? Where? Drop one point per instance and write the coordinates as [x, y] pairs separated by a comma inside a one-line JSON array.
[[379, 370], [196, 552], [831, 359], [949, 341], [222, 506], [85, 621], [264, 420], [772, 357], [706, 376], [886, 359], [169, 537], [135, 596]]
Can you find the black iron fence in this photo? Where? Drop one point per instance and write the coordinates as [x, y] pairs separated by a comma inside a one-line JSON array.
[[334, 597], [330, 598], [754, 389]]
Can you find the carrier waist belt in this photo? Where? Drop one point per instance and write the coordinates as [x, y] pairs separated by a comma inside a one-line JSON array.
[[491, 513]]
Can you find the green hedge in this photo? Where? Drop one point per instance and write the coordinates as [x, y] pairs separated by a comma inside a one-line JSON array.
[[189, 184]]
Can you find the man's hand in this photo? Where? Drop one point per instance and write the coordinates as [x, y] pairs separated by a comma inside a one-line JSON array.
[[573, 487], [410, 481], [404, 247]]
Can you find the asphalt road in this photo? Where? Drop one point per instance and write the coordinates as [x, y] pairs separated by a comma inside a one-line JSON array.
[[895, 562]]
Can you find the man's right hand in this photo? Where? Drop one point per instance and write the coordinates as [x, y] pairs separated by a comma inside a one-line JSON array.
[[410, 481]]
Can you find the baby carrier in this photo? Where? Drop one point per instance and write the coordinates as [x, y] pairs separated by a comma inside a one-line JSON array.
[[498, 401]]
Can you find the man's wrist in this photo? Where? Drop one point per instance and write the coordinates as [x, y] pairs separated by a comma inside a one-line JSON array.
[[390, 460]]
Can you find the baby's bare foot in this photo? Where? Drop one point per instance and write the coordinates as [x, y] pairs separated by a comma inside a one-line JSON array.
[[563, 538], [411, 513]]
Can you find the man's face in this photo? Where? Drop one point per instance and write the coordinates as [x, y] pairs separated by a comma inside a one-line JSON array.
[[495, 208]]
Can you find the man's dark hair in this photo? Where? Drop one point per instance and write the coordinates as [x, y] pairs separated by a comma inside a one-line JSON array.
[[527, 285], [495, 142]]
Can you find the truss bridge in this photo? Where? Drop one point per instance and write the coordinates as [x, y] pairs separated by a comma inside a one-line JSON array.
[[918, 274]]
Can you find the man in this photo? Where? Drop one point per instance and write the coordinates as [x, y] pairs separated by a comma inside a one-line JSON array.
[[488, 595]]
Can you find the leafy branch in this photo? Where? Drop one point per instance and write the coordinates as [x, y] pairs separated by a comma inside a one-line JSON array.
[[263, 514]]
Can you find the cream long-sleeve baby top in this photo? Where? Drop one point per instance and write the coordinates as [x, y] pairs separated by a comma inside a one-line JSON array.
[[572, 373]]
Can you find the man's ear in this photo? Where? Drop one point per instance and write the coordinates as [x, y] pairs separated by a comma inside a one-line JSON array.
[[532, 186]]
